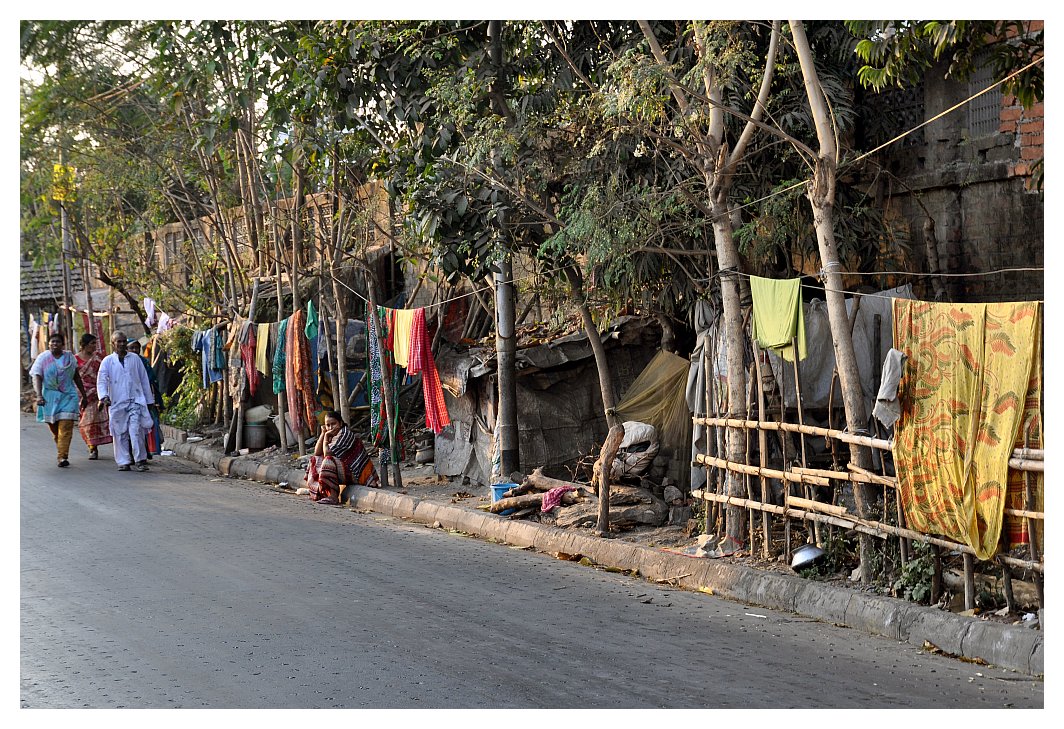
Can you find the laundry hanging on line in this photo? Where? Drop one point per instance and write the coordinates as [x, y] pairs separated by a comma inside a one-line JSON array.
[[778, 319]]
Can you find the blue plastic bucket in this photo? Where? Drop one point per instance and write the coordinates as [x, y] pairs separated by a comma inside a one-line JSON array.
[[497, 490]]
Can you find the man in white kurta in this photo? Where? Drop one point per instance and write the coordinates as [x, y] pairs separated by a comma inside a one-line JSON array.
[[123, 385]]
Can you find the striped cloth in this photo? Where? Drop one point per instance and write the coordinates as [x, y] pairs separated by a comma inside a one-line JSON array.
[[421, 360]]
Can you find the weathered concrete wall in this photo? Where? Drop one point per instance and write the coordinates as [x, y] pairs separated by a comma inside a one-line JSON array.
[[979, 190]]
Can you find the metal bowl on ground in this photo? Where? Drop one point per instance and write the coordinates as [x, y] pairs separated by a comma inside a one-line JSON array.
[[805, 555]]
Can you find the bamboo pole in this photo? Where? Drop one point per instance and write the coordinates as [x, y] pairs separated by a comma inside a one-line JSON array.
[[1032, 536], [814, 505], [845, 437], [807, 490], [1027, 464], [757, 471], [1026, 459], [746, 480], [870, 477], [762, 447]]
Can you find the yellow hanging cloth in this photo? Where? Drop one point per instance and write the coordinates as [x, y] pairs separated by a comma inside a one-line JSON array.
[[964, 395], [659, 397], [404, 321], [262, 339], [778, 315]]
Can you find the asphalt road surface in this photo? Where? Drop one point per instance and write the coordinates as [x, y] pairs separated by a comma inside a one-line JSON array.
[[179, 589]]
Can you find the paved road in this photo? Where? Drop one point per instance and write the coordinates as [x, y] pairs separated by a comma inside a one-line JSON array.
[[176, 588]]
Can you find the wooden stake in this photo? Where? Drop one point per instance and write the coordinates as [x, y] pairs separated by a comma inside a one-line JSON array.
[[969, 581], [936, 574], [1006, 581], [762, 447]]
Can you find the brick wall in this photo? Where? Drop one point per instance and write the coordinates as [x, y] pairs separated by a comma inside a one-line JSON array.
[[1028, 128]]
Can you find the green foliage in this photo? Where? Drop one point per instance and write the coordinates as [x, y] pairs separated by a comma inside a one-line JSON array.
[[914, 582], [898, 52], [184, 409]]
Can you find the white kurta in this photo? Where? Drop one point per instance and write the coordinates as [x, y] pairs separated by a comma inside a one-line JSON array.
[[125, 382]]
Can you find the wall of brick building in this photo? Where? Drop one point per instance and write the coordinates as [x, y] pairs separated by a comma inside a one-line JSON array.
[[979, 190]]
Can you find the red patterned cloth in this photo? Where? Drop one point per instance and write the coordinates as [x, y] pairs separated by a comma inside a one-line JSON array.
[[301, 403], [421, 360], [554, 497], [247, 353]]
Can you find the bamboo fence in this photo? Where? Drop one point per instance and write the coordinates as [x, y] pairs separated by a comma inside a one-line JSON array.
[[816, 512]]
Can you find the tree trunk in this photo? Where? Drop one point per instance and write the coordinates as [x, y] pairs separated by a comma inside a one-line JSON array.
[[602, 476], [609, 402], [822, 200], [729, 263]]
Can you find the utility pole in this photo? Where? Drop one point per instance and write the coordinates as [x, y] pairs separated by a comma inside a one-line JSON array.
[[505, 340], [506, 350]]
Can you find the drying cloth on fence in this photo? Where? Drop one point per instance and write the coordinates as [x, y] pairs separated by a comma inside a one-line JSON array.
[[1029, 435], [404, 321], [279, 365], [963, 398], [378, 416], [301, 403], [887, 407], [247, 353], [421, 360], [659, 397], [778, 315], [262, 341], [217, 350], [554, 497], [203, 342]]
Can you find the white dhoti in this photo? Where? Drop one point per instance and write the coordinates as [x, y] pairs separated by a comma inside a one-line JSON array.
[[129, 421]]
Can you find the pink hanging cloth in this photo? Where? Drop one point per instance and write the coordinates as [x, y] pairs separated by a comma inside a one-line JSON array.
[[421, 360]]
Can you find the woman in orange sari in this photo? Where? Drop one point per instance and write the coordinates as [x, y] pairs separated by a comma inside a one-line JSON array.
[[93, 424]]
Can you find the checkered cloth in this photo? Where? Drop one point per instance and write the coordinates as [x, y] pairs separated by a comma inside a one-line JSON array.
[[421, 360]]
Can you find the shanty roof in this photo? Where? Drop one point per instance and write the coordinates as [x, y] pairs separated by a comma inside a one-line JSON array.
[[38, 283]]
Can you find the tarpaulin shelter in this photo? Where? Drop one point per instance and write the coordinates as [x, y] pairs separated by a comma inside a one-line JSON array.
[[559, 403]]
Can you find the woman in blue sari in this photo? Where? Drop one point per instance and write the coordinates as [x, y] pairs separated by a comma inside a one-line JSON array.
[[56, 382]]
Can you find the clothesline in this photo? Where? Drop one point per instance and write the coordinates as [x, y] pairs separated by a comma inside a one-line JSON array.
[[881, 273], [460, 296]]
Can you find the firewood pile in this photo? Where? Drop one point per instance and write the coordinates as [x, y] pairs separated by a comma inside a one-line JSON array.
[[630, 506]]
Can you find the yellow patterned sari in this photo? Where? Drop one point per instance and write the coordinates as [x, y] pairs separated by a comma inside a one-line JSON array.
[[965, 403]]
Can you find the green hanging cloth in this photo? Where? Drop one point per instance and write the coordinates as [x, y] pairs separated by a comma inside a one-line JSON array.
[[778, 315]]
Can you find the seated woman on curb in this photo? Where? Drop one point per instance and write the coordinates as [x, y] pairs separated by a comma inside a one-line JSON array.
[[339, 458]]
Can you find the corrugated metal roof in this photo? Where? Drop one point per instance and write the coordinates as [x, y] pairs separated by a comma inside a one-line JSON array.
[[45, 282]]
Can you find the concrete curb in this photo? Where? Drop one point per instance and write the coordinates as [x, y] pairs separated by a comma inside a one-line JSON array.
[[1006, 646]]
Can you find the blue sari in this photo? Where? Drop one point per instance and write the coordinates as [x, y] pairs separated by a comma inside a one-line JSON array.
[[61, 399]]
